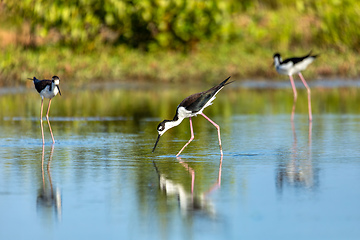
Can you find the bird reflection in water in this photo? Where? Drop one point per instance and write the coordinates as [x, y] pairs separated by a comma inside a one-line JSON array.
[[49, 198], [189, 202], [298, 170]]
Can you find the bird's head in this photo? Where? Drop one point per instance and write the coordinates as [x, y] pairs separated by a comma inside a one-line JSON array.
[[56, 81], [162, 128], [277, 59]]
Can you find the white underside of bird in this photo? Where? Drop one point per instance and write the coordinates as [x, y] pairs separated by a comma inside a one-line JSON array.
[[183, 113], [46, 93], [289, 68]]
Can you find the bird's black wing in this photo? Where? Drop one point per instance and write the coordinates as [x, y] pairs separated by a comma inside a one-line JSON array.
[[196, 102], [40, 85], [296, 60]]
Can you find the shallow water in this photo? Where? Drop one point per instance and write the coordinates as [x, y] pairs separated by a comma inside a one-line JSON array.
[[277, 179]]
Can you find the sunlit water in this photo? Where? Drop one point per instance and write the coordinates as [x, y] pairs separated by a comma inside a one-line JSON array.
[[276, 180]]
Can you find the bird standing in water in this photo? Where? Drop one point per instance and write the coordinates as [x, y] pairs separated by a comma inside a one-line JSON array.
[[292, 66], [46, 89], [190, 107]]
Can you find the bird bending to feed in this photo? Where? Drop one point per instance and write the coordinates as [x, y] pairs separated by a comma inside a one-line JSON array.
[[46, 89], [190, 107], [292, 66]]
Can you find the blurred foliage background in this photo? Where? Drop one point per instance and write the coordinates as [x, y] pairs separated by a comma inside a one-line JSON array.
[[174, 40]]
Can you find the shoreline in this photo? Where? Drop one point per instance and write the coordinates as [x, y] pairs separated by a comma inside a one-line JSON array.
[[251, 84]]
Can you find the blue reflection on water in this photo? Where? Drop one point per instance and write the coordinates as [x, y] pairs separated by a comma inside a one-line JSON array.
[[276, 180]]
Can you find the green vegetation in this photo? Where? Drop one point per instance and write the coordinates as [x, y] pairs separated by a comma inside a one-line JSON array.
[[172, 41]]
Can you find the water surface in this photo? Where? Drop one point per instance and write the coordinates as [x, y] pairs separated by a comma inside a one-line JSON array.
[[277, 179]]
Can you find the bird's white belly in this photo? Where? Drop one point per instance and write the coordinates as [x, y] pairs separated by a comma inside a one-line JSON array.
[[183, 113], [286, 69], [290, 69], [46, 93], [302, 65]]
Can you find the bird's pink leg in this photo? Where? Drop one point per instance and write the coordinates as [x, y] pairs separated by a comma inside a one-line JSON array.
[[47, 118], [42, 166], [295, 97], [218, 182], [191, 138], [310, 133], [186, 166], [309, 95], [41, 121], [218, 130]]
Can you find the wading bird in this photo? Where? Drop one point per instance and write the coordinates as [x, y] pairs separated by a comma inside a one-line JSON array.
[[292, 66], [190, 107], [46, 89]]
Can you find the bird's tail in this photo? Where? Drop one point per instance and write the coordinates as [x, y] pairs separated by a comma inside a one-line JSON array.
[[34, 79], [314, 56], [218, 87], [225, 82]]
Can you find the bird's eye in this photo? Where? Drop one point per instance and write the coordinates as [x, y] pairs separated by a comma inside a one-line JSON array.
[[161, 127]]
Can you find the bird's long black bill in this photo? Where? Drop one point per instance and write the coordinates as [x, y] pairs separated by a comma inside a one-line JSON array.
[[157, 140], [58, 89]]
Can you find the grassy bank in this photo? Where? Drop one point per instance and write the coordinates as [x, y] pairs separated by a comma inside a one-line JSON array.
[[242, 42], [209, 63]]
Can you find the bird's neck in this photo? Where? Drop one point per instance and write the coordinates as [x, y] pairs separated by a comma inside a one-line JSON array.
[[277, 61], [174, 122]]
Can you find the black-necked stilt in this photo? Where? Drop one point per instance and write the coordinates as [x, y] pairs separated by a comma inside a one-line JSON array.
[[46, 89], [190, 107], [292, 66]]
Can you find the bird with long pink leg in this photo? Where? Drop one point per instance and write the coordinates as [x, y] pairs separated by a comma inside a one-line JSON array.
[[291, 66], [46, 89], [190, 107]]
